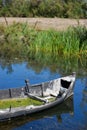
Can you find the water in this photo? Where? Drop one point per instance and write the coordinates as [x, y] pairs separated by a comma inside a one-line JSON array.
[[71, 115]]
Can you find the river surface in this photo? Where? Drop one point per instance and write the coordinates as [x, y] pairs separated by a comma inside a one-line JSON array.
[[71, 115]]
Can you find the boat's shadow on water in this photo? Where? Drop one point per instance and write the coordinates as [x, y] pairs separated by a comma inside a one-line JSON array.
[[66, 107]]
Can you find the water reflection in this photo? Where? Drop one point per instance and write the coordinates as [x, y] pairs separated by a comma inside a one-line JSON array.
[[84, 102], [80, 106], [51, 114], [63, 65], [39, 68]]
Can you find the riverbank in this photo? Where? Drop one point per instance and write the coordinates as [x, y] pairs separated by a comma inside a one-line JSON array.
[[45, 23], [20, 38]]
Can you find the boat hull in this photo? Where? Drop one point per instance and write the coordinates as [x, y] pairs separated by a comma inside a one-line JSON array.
[[9, 113]]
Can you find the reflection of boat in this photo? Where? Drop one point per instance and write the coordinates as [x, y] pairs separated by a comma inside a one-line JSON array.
[[49, 94], [65, 107], [84, 101], [85, 94]]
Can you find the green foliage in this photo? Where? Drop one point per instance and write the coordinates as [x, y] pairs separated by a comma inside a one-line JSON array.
[[22, 40], [44, 8], [81, 33], [19, 102], [2, 29], [16, 39], [71, 42]]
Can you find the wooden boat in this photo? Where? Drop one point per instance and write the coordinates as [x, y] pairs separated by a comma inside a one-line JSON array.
[[49, 93], [57, 111]]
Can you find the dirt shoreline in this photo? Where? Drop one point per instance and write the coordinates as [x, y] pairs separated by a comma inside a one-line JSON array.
[[45, 23]]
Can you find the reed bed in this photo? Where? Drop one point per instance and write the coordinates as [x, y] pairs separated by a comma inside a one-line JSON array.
[[22, 40], [70, 42]]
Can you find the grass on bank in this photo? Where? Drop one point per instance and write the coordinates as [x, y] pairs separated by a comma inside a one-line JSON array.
[[19, 39], [70, 42]]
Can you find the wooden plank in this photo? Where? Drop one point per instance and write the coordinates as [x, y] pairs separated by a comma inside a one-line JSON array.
[[36, 97]]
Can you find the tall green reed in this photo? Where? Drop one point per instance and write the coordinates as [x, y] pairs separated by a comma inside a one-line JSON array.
[[21, 39], [66, 43]]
